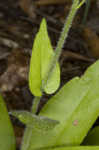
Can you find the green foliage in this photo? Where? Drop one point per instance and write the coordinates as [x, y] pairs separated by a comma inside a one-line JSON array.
[[7, 139], [35, 122], [76, 106], [75, 148], [68, 116], [50, 70], [42, 55], [92, 137]]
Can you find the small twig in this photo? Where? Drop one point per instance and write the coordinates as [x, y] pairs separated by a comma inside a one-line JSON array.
[[49, 18], [37, 23], [3, 56], [8, 42], [52, 2], [72, 55]]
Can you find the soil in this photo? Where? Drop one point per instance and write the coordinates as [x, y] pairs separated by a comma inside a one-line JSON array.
[[19, 23]]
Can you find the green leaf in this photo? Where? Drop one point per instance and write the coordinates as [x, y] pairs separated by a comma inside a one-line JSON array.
[[7, 138], [92, 137], [42, 54], [35, 122], [76, 106], [74, 148]]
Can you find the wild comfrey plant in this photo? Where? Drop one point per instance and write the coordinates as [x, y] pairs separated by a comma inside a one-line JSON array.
[[67, 117]]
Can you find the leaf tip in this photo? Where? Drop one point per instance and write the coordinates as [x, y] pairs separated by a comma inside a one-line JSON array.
[[43, 25]]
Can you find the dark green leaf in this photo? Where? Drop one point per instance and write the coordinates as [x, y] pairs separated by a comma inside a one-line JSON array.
[[92, 137]]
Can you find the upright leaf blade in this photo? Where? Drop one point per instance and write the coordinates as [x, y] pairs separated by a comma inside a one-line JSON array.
[[42, 54], [7, 138], [76, 106]]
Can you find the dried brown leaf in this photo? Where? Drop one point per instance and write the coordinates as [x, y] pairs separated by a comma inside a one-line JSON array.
[[92, 41]]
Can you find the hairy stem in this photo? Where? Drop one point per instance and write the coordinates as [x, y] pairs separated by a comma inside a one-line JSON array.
[[81, 3], [62, 39], [35, 104], [28, 133], [26, 139]]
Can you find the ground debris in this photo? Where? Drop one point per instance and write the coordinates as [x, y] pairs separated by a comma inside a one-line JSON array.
[[16, 73]]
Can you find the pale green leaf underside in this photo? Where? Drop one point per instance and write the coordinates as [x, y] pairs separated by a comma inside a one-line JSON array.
[[38, 123], [7, 138], [42, 54], [76, 106]]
